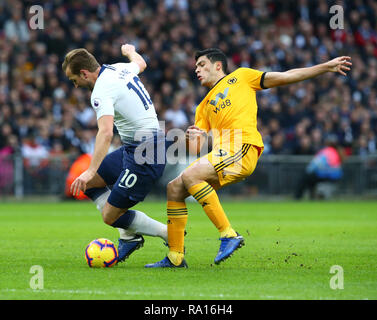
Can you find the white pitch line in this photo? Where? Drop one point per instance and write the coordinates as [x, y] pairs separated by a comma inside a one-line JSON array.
[[128, 293], [138, 293]]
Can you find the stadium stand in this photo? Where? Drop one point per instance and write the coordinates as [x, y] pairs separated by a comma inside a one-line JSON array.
[[36, 99]]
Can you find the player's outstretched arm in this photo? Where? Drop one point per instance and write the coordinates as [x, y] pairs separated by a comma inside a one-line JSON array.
[[339, 64], [102, 144], [129, 51]]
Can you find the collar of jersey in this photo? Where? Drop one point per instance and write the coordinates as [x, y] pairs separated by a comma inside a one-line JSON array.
[[103, 67], [218, 81]]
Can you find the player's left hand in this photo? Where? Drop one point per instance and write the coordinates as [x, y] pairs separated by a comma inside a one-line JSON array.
[[127, 49], [80, 183], [340, 64]]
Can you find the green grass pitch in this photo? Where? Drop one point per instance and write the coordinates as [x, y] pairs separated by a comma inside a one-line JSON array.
[[289, 251]]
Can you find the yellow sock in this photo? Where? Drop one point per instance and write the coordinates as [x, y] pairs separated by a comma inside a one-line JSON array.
[[228, 233], [175, 257], [177, 219], [207, 197]]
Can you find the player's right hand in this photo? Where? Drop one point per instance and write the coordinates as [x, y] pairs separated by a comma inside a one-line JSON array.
[[80, 183], [194, 132]]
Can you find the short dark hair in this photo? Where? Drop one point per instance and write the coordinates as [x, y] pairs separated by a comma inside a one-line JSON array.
[[213, 55], [78, 59]]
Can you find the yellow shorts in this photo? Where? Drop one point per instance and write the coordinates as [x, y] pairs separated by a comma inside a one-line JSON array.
[[233, 165]]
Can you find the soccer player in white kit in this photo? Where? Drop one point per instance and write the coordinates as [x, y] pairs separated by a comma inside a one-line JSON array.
[[119, 180]]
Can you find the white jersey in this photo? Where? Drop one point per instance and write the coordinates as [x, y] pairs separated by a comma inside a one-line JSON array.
[[119, 92]]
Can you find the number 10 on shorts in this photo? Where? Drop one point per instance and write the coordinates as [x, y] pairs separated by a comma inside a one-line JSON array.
[[128, 180]]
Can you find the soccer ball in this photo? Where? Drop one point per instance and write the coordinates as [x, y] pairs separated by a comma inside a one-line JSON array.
[[101, 253]]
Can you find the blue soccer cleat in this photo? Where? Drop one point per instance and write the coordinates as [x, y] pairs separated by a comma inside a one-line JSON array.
[[228, 246], [165, 263], [126, 247]]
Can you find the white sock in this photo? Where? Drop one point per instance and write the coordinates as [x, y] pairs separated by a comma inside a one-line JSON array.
[[100, 203], [141, 225], [126, 234], [144, 225]]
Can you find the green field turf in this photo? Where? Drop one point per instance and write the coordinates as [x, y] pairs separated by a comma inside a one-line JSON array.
[[290, 248]]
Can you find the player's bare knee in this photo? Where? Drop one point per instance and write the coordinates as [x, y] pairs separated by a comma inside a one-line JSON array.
[[189, 178], [171, 188], [176, 190], [107, 219], [108, 216]]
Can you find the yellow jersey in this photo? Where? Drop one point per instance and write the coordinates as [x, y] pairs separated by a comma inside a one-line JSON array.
[[230, 108]]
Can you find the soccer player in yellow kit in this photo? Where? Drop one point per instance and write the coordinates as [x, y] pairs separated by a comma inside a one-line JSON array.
[[229, 111]]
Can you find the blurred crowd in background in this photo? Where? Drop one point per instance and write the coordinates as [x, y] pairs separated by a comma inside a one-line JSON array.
[[42, 114]]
